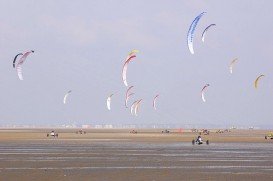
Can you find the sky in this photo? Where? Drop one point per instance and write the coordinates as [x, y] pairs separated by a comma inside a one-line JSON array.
[[82, 45]]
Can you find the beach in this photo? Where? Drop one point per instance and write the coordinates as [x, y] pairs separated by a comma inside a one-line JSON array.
[[117, 154]]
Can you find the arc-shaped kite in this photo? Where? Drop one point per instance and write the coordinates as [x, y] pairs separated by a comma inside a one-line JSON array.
[[137, 106], [66, 95], [203, 92], [205, 31], [154, 101], [127, 95], [231, 65], [127, 98], [108, 102], [124, 69], [191, 31], [133, 106], [20, 63], [256, 82]]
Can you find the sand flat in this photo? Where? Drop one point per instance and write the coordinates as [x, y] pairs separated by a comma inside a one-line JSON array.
[[148, 155]]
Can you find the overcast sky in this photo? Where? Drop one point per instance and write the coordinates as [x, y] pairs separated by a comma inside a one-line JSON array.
[[82, 45]]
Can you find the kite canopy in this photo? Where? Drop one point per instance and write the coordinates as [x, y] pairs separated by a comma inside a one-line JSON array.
[[203, 92], [154, 101], [125, 67], [231, 65], [66, 95], [133, 106], [128, 95], [20, 63], [191, 31], [108, 102], [126, 101], [137, 106], [205, 31], [256, 82], [133, 52]]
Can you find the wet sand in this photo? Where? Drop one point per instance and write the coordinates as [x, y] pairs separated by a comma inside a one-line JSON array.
[[148, 155]]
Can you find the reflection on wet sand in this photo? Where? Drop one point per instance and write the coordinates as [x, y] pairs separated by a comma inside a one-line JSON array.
[[135, 158]]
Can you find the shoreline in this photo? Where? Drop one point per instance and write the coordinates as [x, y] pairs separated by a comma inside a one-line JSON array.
[[143, 135]]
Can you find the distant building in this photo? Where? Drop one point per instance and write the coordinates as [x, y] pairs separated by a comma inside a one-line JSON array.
[[85, 126], [98, 126], [108, 126]]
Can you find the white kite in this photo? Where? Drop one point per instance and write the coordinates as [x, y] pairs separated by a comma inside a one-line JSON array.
[[133, 106], [154, 101], [232, 64], [66, 95], [108, 102], [203, 92], [128, 95], [129, 58], [137, 106], [20, 63]]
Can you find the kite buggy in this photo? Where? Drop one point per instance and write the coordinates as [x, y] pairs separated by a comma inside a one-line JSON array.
[[52, 134], [80, 132], [269, 136], [165, 131], [199, 141]]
